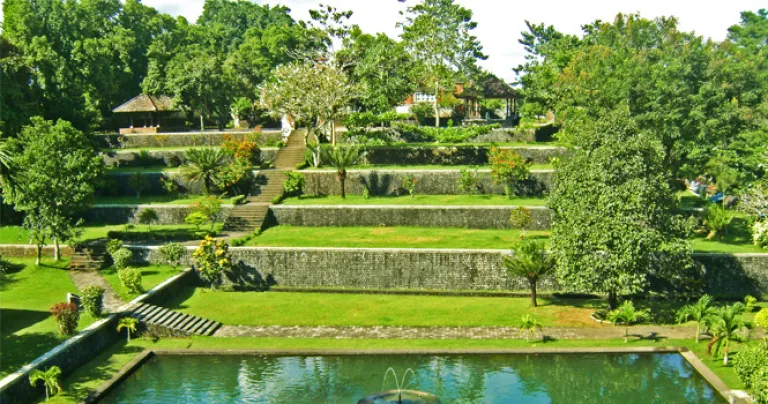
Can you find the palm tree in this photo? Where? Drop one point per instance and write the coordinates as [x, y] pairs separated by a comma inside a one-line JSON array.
[[202, 165], [7, 182], [341, 158], [530, 261], [50, 379], [698, 312], [724, 324], [148, 216], [627, 314], [129, 324], [529, 326]]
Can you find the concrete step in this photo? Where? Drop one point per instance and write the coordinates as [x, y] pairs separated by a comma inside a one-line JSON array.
[[177, 323]]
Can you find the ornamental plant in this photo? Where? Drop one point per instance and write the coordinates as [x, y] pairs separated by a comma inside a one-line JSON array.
[[760, 233], [716, 220], [169, 186], [113, 245], [131, 279], [172, 254], [294, 184], [468, 182], [627, 314], [751, 365], [508, 167], [92, 298], [242, 149], [409, 184], [761, 319], [520, 218], [147, 217], [212, 259], [50, 379], [67, 316], [122, 258]]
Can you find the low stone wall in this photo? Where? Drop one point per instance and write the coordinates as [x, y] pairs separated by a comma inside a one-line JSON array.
[[501, 135], [429, 182], [117, 184], [452, 155], [122, 214], [473, 217], [735, 275], [183, 139], [88, 344], [168, 158], [26, 250]]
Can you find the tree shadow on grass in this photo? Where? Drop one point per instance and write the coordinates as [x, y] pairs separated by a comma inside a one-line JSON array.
[[177, 300], [80, 384], [18, 350]]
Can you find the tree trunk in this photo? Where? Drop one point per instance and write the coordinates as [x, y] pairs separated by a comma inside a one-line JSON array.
[[202, 126], [39, 250], [725, 357], [613, 300], [56, 249], [698, 331], [533, 293], [437, 103], [333, 131], [342, 178], [626, 334]]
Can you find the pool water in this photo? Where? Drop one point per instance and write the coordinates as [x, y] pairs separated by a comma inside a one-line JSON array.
[[475, 378]]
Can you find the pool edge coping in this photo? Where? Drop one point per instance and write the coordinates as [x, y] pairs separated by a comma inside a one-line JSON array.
[[689, 356]]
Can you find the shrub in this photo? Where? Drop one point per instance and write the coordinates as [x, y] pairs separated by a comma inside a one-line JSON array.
[[520, 217], [366, 193], [294, 184], [752, 364], [210, 208], [234, 177], [122, 258], [277, 199], [50, 379], [750, 302], [211, 259], [147, 217], [138, 183], [444, 135], [169, 185], [716, 220], [508, 167], [67, 316], [409, 184], [172, 254], [196, 219], [761, 319], [760, 233], [130, 278], [113, 245], [244, 150], [468, 182], [370, 119], [92, 298]]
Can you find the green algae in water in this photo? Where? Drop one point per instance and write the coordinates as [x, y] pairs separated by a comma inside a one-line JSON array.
[[481, 378]]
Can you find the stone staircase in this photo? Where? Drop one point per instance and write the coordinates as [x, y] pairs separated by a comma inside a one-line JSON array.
[[172, 322], [89, 257], [249, 217]]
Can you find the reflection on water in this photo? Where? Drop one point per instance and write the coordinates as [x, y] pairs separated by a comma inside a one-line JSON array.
[[546, 378]]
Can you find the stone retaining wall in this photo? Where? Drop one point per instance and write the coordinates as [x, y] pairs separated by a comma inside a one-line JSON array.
[[117, 184], [26, 250], [474, 217], [168, 158], [122, 214], [183, 139], [429, 182], [452, 155]]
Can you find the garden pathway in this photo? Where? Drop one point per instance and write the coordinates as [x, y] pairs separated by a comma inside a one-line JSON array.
[[645, 332], [83, 279]]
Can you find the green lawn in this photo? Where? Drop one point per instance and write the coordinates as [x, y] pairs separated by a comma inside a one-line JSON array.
[[738, 239], [152, 276], [425, 167], [143, 169], [390, 237], [17, 235], [27, 330], [471, 200], [103, 367], [154, 199]]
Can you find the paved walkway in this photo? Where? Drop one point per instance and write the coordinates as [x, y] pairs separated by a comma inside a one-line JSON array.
[[83, 279], [647, 332]]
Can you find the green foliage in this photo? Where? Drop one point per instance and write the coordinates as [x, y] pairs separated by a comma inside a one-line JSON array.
[[139, 183], [761, 319], [234, 177], [202, 165], [529, 261], [529, 326], [50, 379], [751, 365], [409, 185], [760, 233], [520, 217], [131, 279], [196, 219], [170, 186], [128, 324], [147, 217], [627, 314], [341, 158], [716, 219], [443, 135], [724, 326], [468, 182], [92, 298], [172, 254], [113, 245], [508, 167], [613, 201], [212, 259], [122, 258], [209, 208], [67, 316], [698, 312], [371, 119], [750, 302], [294, 184]]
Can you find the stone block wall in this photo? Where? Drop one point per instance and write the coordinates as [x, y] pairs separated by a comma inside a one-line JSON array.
[[506, 135], [122, 214], [473, 217], [183, 139], [735, 275], [168, 158], [117, 184], [429, 182], [452, 155]]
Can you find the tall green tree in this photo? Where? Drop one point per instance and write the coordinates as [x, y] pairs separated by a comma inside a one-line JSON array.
[[613, 214], [57, 172], [530, 261], [438, 34]]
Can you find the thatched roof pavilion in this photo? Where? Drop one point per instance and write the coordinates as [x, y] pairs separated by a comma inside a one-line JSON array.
[[491, 87], [150, 109]]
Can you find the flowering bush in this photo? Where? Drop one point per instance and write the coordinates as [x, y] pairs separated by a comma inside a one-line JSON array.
[[508, 167], [211, 259], [67, 315], [760, 233], [244, 150]]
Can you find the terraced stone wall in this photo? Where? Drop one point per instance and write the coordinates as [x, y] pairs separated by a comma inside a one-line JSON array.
[[183, 139], [429, 182], [452, 155], [122, 214], [477, 217], [118, 184], [168, 158]]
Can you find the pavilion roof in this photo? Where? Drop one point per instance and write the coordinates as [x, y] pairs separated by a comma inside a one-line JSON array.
[[489, 88], [147, 103]]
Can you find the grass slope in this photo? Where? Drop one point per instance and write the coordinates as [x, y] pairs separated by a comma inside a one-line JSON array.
[[151, 276]]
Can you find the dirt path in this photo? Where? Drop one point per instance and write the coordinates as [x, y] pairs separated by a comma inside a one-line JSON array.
[[83, 279]]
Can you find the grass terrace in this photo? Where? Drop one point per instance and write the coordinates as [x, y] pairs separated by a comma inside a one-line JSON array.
[[18, 235], [436, 200], [151, 276], [143, 169], [156, 199]]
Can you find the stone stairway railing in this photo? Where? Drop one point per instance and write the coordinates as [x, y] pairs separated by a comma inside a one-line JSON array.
[[249, 217], [172, 322]]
